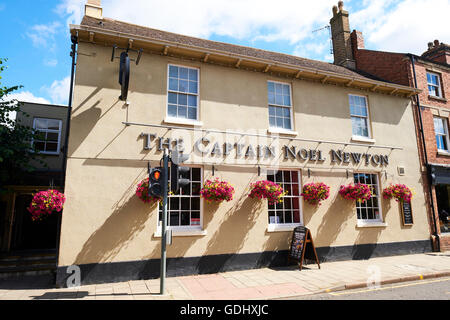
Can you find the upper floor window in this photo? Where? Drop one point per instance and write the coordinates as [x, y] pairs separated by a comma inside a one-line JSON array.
[[441, 132], [359, 114], [434, 84], [280, 107], [183, 93], [288, 211], [49, 135]]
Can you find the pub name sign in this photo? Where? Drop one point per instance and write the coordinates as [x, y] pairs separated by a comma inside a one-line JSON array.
[[205, 147]]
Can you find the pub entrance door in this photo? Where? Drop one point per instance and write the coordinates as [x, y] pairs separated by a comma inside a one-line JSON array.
[[28, 234]]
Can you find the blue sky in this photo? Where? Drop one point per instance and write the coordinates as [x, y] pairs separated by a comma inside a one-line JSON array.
[[34, 35]]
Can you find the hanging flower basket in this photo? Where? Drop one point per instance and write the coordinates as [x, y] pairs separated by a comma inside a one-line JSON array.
[[45, 203], [142, 192], [399, 192], [315, 192], [217, 191], [360, 192], [269, 190]]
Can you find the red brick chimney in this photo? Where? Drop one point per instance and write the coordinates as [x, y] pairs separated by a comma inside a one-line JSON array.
[[438, 52], [340, 34]]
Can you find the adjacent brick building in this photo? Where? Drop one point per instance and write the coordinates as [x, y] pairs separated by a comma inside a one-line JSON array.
[[428, 72]]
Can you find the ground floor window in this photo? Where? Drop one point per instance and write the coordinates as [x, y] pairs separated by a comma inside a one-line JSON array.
[[183, 208], [289, 210], [443, 203], [369, 210]]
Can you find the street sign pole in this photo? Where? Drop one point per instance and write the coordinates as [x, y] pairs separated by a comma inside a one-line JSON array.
[[164, 221]]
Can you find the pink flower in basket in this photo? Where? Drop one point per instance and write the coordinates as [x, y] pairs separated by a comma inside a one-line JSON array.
[[360, 192], [315, 192], [217, 191], [45, 203], [269, 190], [142, 192], [399, 192]]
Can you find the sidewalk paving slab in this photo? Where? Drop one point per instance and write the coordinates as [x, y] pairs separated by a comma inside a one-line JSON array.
[[261, 284]]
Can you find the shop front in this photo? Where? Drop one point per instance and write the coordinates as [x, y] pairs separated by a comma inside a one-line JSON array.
[[239, 125]]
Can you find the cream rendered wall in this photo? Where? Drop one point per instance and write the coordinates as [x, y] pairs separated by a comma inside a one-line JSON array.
[[104, 221]]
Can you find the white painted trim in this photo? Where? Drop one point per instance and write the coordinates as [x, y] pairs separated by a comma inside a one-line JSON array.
[[51, 153], [369, 121], [291, 109], [183, 121], [374, 224], [363, 139], [443, 153], [282, 131], [282, 227], [179, 232]]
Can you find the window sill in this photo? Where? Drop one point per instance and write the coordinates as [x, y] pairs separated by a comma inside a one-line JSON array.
[[443, 153], [375, 224], [437, 98], [362, 139], [188, 122], [282, 227], [183, 232], [282, 131]]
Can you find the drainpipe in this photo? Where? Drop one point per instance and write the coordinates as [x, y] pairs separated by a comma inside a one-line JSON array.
[[436, 234], [74, 40]]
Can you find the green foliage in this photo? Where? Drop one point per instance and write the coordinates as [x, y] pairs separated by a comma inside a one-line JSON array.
[[16, 152]]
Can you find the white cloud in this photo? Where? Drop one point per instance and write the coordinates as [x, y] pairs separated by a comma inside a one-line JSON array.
[[51, 62], [74, 9], [43, 35], [403, 26], [59, 91], [26, 96]]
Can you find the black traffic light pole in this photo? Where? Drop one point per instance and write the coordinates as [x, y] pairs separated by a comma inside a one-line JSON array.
[[164, 221]]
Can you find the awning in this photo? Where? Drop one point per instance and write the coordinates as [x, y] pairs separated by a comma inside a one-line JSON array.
[[439, 174]]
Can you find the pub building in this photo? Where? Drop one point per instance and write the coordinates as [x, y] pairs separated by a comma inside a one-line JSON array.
[[241, 115]]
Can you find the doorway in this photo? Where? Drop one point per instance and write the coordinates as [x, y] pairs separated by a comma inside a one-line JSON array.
[[443, 204], [28, 234]]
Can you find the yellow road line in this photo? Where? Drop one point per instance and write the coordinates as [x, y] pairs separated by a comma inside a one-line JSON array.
[[391, 287]]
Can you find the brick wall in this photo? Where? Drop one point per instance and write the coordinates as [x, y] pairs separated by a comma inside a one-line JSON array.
[[397, 68]]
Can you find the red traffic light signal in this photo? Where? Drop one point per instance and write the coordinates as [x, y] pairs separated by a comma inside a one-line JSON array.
[[155, 182]]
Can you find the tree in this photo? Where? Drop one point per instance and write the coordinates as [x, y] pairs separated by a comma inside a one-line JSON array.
[[16, 150]]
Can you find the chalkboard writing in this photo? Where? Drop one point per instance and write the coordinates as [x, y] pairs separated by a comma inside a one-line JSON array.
[[406, 211], [302, 247], [297, 244]]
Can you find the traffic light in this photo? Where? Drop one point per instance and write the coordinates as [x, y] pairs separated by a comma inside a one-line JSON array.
[[176, 177], [156, 182]]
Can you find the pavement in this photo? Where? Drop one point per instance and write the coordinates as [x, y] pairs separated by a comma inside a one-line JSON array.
[[255, 284]]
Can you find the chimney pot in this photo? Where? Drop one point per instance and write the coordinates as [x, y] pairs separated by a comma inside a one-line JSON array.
[[436, 43], [430, 45], [341, 5], [93, 8], [335, 11]]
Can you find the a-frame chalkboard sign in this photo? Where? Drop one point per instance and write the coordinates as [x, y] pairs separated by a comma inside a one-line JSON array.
[[302, 247]]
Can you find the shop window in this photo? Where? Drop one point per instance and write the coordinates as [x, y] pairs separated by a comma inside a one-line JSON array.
[[183, 93], [288, 211], [49, 135], [359, 114], [280, 107], [434, 85], [183, 208], [369, 211], [441, 132]]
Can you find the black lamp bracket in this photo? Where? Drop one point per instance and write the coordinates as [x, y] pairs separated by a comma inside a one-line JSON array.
[[115, 47]]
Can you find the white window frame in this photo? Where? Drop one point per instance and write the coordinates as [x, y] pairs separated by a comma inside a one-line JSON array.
[[178, 120], [59, 131], [280, 227], [445, 124], [438, 86], [291, 107], [184, 230], [371, 222], [369, 129]]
